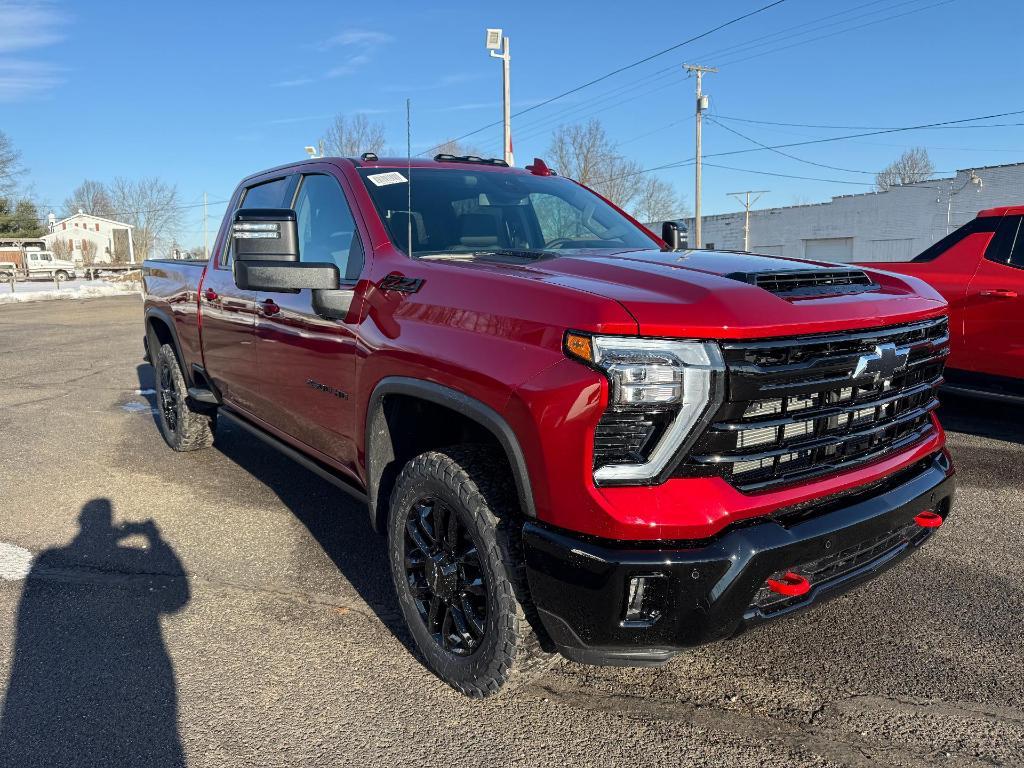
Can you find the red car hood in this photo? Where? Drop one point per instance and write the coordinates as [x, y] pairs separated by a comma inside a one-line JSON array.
[[689, 293]]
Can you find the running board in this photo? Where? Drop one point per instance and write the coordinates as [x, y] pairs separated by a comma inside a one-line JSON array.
[[984, 394], [314, 466]]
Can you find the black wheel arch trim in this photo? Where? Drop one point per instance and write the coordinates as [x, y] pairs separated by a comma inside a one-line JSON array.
[[155, 313], [484, 415]]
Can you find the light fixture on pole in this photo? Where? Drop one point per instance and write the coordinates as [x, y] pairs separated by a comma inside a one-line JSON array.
[[496, 41]]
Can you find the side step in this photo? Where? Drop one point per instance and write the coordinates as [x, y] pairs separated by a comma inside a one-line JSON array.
[[201, 395], [984, 394], [314, 466]]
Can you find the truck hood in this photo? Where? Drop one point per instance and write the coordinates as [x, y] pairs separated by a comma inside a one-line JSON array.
[[709, 294]]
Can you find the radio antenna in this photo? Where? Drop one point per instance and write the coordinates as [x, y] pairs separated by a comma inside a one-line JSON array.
[[408, 156]]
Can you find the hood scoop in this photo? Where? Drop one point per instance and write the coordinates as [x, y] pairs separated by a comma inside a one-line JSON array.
[[799, 283]]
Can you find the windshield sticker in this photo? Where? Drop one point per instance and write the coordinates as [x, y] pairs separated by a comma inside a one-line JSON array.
[[383, 179]]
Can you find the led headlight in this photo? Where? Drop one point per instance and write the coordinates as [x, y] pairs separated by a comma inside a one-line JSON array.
[[658, 389]]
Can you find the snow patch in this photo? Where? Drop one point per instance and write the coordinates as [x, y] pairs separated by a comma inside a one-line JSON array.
[[137, 408], [15, 562], [73, 289], [145, 391]]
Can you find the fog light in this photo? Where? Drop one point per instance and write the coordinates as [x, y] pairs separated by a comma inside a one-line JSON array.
[[645, 599]]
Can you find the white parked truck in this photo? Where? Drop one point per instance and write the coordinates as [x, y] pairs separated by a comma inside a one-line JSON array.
[[35, 265]]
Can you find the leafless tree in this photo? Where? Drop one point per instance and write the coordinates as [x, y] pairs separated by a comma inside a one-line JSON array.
[[151, 206], [11, 168], [351, 136], [658, 201], [90, 197], [585, 153], [453, 147], [61, 249], [88, 251], [912, 166]]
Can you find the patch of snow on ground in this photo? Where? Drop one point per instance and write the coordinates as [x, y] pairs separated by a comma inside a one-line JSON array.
[[15, 562], [44, 290]]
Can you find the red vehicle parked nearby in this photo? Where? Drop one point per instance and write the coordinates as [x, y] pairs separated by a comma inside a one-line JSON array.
[[979, 269], [579, 440]]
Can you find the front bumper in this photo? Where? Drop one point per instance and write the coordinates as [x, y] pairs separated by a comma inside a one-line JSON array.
[[699, 592]]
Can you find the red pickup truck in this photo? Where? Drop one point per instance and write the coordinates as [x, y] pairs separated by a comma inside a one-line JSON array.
[[579, 439], [979, 269]]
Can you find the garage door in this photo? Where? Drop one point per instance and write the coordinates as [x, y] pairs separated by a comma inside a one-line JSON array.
[[829, 249]]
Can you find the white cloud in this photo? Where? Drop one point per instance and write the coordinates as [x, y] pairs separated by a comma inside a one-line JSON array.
[[24, 27], [358, 46]]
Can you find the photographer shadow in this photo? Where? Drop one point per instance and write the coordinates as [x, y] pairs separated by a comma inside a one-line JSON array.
[[91, 680]]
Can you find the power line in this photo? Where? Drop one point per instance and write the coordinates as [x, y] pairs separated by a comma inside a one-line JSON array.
[[844, 127], [620, 70], [786, 154]]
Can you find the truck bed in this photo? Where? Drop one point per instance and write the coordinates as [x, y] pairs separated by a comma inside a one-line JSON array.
[[171, 288]]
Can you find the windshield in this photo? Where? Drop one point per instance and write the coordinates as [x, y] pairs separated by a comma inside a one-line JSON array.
[[472, 211]]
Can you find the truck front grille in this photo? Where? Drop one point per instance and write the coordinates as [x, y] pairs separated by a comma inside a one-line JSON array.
[[803, 407]]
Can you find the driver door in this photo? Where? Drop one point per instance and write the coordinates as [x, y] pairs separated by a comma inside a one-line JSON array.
[[307, 363]]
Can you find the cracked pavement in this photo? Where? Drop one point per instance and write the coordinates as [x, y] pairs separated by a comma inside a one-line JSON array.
[[252, 623]]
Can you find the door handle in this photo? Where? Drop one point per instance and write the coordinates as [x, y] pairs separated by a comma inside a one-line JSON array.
[[999, 293], [210, 295], [270, 307]]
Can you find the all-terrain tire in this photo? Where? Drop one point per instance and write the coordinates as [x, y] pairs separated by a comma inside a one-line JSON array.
[[474, 483], [184, 427]]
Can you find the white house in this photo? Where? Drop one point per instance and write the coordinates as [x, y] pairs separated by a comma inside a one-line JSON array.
[[112, 239], [894, 225]]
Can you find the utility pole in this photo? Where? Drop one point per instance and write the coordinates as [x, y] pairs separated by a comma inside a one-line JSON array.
[[702, 104], [747, 202], [206, 235], [496, 41]]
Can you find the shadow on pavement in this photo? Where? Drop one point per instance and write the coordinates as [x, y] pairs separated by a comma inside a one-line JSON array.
[[339, 524], [985, 418], [91, 681]]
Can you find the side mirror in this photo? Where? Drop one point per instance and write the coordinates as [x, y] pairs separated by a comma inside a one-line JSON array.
[[674, 235], [265, 234]]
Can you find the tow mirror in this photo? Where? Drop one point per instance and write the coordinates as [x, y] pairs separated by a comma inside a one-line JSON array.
[[266, 258], [674, 235]]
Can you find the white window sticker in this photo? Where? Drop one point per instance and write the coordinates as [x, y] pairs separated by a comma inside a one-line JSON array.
[[383, 179]]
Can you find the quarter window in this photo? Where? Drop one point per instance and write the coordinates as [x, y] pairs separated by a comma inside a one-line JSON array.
[[327, 231]]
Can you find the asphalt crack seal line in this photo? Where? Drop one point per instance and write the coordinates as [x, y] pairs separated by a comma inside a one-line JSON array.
[[15, 562]]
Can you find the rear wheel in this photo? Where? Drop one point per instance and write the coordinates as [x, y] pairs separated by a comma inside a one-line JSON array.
[[184, 428], [60, 276], [457, 568]]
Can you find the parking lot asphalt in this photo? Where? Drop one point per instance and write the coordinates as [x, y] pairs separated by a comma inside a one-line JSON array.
[[252, 622]]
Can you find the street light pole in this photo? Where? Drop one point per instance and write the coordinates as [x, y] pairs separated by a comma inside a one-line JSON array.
[[496, 42]]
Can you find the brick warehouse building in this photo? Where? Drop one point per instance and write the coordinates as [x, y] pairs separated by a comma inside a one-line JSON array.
[[894, 225]]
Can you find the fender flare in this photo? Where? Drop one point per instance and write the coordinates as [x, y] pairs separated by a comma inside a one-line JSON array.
[[377, 455], [166, 318]]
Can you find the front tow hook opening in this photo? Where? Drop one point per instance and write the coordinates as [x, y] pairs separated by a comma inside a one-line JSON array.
[[789, 584]]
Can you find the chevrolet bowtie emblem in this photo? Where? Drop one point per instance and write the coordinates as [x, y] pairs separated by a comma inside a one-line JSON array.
[[883, 363]]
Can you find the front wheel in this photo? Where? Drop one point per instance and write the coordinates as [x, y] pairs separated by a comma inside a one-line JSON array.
[[458, 571]]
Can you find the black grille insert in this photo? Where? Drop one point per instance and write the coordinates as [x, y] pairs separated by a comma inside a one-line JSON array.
[[803, 407], [809, 282]]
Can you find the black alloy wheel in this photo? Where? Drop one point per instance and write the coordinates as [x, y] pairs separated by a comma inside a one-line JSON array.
[[445, 577], [168, 396]]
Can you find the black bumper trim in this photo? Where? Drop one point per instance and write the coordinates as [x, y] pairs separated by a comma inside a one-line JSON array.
[[579, 585]]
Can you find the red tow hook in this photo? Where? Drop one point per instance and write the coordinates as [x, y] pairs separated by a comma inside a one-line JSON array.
[[790, 585], [928, 519]]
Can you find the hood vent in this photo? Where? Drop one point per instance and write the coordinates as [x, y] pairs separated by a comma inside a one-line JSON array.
[[809, 282]]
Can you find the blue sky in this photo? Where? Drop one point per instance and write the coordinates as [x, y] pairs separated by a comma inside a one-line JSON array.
[[202, 94]]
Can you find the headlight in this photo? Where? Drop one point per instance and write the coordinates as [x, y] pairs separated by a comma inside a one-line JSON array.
[[658, 391]]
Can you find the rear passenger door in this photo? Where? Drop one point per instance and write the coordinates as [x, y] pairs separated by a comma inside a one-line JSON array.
[[229, 313], [307, 363], [994, 314]]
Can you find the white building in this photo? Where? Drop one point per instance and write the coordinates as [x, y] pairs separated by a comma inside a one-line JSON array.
[[112, 239], [877, 226]]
